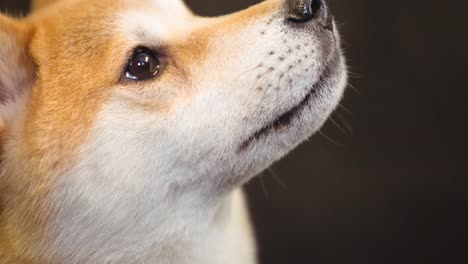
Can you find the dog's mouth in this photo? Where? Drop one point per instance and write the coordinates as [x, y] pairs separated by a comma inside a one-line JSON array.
[[285, 120]]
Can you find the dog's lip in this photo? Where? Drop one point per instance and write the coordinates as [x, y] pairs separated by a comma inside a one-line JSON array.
[[284, 120]]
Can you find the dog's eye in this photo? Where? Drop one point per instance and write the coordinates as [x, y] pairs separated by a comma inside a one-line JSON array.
[[143, 65]]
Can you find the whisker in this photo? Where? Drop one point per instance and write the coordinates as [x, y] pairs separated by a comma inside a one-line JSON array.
[[346, 124], [276, 177], [245, 72], [330, 139], [354, 75], [344, 131], [353, 88], [266, 90], [264, 188], [345, 109], [260, 83]]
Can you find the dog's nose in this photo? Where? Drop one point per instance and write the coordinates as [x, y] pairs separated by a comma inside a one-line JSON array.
[[301, 11]]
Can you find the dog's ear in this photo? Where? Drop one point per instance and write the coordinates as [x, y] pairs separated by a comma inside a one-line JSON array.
[[16, 68], [37, 4]]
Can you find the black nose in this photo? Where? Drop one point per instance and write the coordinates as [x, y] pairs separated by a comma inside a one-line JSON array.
[[301, 11]]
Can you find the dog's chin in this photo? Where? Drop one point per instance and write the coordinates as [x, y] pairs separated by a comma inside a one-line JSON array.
[[271, 142], [311, 111]]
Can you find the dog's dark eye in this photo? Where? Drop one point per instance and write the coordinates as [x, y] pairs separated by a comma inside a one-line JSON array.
[[143, 65]]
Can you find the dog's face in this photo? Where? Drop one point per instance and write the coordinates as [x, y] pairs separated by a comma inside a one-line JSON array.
[[137, 102]]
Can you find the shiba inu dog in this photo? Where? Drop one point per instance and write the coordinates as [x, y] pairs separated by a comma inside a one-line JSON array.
[[128, 127]]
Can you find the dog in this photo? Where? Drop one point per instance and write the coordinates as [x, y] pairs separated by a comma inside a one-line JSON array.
[[128, 127]]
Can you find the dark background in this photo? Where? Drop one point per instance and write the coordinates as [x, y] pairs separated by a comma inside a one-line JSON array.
[[391, 187]]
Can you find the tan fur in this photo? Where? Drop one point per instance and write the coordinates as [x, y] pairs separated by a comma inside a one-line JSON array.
[[64, 75], [55, 110], [51, 137]]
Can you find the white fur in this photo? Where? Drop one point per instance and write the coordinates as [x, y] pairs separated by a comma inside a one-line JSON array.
[[140, 26], [163, 187]]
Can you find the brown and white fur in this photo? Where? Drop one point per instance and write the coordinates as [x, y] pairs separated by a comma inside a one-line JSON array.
[[98, 169]]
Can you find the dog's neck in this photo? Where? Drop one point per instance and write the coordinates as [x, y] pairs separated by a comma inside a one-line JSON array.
[[136, 217], [217, 235]]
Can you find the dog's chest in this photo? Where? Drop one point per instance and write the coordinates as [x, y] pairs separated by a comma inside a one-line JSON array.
[[183, 240]]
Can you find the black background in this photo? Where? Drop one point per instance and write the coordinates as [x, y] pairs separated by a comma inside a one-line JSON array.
[[391, 189]]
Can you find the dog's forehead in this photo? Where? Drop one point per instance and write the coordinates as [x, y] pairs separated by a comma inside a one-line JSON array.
[[156, 23], [172, 8], [101, 10], [135, 19], [162, 5], [83, 24]]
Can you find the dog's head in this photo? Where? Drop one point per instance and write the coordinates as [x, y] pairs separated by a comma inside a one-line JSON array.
[[110, 105]]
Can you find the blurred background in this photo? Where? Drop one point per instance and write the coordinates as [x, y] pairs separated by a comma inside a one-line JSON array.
[[385, 180]]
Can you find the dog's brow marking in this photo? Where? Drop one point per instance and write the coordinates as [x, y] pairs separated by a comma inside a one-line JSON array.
[[141, 27]]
